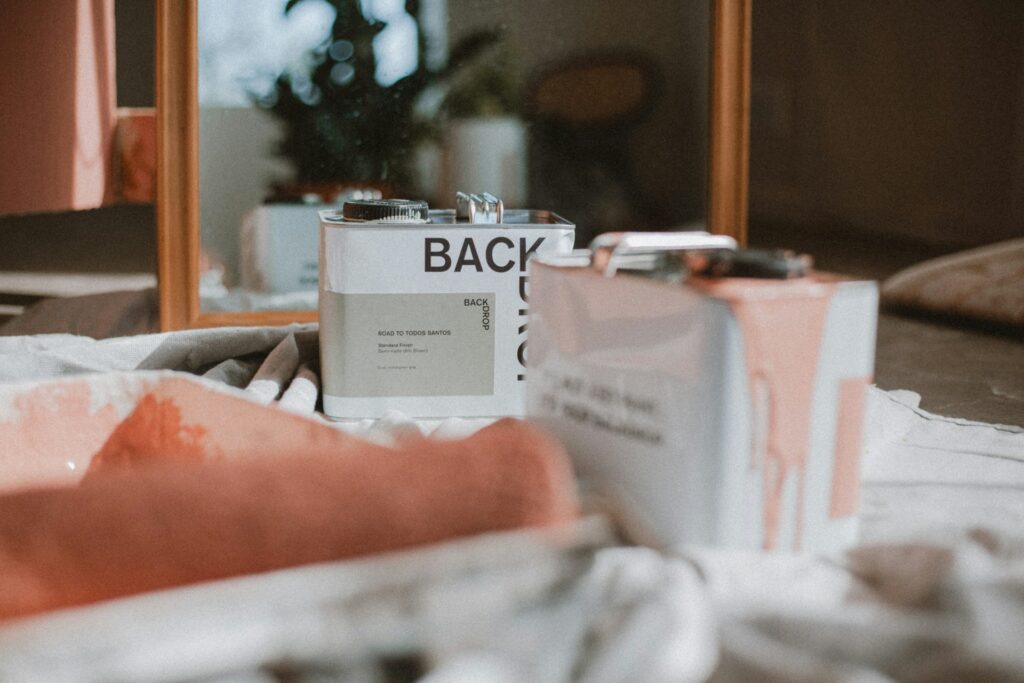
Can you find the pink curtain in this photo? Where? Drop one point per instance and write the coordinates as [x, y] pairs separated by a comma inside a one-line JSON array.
[[57, 104]]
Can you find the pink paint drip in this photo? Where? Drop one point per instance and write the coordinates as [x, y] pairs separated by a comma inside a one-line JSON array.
[[782, 323], [849, 433]]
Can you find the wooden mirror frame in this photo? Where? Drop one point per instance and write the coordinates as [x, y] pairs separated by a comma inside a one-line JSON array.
[[178, 233]]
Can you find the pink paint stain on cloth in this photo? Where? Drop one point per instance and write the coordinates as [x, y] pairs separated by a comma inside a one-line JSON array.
[[50, 430], [152, 433], [782, 323]]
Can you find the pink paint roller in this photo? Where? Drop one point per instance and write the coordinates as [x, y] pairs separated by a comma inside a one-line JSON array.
[[172, 523]]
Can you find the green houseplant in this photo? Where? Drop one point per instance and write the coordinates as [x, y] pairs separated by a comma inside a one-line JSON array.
[[341, 126]]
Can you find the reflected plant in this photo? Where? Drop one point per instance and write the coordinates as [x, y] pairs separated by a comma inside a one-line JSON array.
[[490, 87], [340, 123]]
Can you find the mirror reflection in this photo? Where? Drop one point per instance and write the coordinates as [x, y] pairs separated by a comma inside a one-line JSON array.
[[594, 109]]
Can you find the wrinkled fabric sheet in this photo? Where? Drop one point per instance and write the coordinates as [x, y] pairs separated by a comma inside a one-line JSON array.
[[519, 606], [934, 590], [269, 363], [195, 351]]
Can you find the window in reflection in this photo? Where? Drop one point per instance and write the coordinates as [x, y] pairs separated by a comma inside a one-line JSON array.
[[244, 46]]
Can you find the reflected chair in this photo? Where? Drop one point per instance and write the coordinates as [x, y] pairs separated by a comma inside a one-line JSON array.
[[583, 112]]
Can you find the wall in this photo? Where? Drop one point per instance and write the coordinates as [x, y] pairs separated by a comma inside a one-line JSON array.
[[904, 119], [237, 165], [135, 39]]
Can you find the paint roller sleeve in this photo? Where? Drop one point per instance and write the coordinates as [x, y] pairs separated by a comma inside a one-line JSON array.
[[166, 526]]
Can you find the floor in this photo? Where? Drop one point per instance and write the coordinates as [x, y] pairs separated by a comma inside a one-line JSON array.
[[75, 253]]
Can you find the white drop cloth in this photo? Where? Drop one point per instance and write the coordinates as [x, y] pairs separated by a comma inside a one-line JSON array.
[[935, 590]]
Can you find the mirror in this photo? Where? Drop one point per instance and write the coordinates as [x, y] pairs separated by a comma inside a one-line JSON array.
[[272, 109]]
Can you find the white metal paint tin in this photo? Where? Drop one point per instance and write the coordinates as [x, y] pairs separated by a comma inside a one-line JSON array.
[[428, 318], [664, 395]]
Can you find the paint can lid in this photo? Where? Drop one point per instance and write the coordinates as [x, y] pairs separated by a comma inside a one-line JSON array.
[[386, 211]]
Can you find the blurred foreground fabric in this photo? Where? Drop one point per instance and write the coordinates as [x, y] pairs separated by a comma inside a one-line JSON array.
[[933, 592]]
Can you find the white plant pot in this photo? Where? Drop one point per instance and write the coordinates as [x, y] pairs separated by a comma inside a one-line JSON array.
[[485, 155]]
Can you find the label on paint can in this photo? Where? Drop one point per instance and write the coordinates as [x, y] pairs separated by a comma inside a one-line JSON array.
[[410, 344]]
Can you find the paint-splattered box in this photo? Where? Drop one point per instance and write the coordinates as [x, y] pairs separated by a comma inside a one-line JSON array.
[[725, 412]]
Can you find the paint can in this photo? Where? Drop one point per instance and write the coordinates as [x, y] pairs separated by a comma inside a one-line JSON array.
[[709, 395], [424, 311]]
